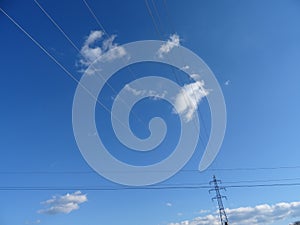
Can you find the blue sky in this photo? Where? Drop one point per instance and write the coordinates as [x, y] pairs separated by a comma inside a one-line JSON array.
[[251, 46]]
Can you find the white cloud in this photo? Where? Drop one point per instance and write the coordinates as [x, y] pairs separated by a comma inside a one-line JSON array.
[[93, 37], [195, 76], [257, 215], [33, 222], [88, 51], [145, 93], [174, 41], [91, 51], [156, 96], [202, 211], [227, 82], [186, 102], [135, 91], [205, 220], [188, 99], [169, 204], [63, 204], [185, 67]]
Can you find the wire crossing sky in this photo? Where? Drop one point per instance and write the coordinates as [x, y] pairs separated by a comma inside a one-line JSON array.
[[253, 50]]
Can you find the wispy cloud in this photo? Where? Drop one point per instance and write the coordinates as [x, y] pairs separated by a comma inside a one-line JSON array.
[[185, 67], [145, 93], [169, 204], [257, 215], [174, 41], [202, 211], [63, 204], [33, 222], [135, 91], [188, 99], [195, 76], [97, 47], [185, 103]]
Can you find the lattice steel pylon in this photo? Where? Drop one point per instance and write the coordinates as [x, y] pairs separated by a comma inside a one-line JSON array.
[[218, 197]]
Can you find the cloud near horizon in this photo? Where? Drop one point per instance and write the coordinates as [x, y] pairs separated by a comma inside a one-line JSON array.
[[257, 215], [63, 204]]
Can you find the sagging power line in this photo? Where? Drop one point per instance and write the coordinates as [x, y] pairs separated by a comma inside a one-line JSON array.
[[237, 169], [121, 188]]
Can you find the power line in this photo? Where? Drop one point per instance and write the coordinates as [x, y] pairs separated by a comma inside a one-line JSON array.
[[65, 70], [153, 20], [230, 184], [99, 188], [171, 24], [256, 168], [168, 16], [92, 12], [78, 50], [58, 63], [181, 171], [178, 80], [95, 17], [159, 23], [160, 36], [57, 26]]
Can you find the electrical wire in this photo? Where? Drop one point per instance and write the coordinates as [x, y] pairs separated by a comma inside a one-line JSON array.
[[169, 16], [78, 50], [92, 12], [160, 36], [171, 25], [95, 17], [181, 171], [121, 188], [153, 20], [172, 69], [58, 63]]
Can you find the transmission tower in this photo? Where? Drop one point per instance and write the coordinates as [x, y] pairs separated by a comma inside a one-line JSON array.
[[218, 197]]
